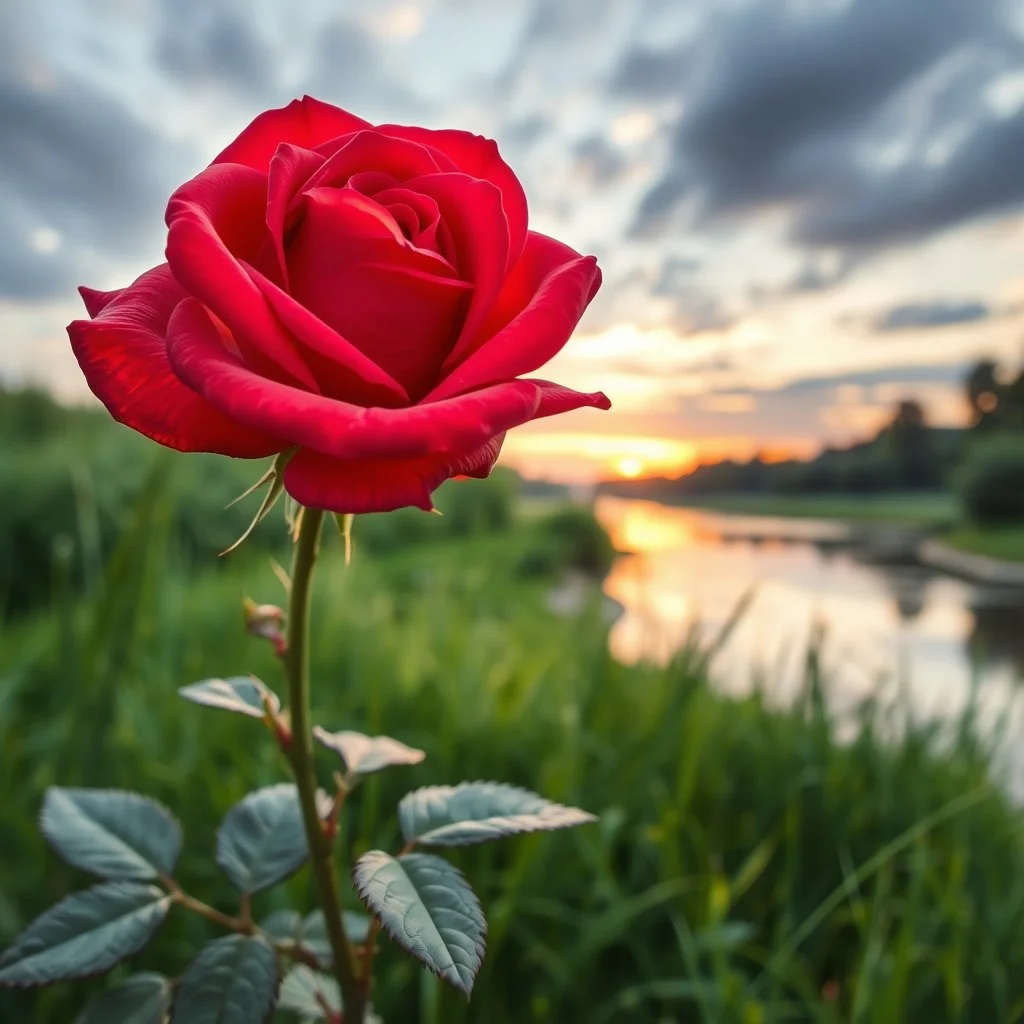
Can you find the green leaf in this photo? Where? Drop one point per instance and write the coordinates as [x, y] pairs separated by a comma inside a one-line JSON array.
[[84, 934], [141, 999], [475, 812], [232, 981], [302, 991], [112, 834], [366, 754], [243, 695], [282, 925], [311, 934], [428, 908], [262, 840], [357, 926]]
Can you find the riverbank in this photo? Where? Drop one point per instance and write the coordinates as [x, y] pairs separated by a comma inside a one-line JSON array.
[[1003, 543], [895, 527], [932, 509]]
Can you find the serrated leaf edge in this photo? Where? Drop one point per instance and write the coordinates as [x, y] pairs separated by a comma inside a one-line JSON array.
[[481, 945], [591, 818]]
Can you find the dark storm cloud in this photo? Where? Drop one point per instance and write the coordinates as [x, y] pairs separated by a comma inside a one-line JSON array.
[[200, 42], [522, 132], [599, 161], [779, 102], [79, 164], [675, 274], [909, 374], [647, 73], [913, 315], [983, 175]]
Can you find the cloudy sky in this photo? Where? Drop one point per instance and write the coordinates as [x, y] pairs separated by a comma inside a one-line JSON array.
[[805, 209]]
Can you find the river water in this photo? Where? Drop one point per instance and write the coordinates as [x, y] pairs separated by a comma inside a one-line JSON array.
[[926, 636]]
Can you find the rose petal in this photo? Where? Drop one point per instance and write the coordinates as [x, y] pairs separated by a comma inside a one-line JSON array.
[[340, 368], [371, 151], [539, 331], [124, 358], [351, 266], [290, 168], [427, 233], [306, 122], [204, 219], [371, 182], [380, 485], [479, 157], [95, 300], [556, 399], [471, 211], [199, 357]]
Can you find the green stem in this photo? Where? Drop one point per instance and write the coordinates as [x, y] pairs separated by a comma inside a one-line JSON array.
[[300, 753]]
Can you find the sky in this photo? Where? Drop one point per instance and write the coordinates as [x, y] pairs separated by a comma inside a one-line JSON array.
[[805, 210]]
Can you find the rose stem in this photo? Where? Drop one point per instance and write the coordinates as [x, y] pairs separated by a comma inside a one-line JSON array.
[[300, 754]]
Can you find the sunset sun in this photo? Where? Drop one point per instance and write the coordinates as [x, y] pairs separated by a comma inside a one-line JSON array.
[[629, 467]]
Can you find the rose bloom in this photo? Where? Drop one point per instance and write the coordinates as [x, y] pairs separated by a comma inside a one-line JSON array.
[[368, 297]]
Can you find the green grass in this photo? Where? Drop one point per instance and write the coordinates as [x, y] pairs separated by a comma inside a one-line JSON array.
[[749, 866], [1002, 542], [912, 509]]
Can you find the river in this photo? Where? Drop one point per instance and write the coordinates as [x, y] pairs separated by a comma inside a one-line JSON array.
[[906, 630]]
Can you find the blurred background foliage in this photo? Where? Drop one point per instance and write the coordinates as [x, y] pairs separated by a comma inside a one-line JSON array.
[[752, 864]]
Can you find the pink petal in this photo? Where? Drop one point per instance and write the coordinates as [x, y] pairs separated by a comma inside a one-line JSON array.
[[340, 368], [199, 357], [95, 300], [479, 157], [472, 213], [540, 330], [210, 219], [380, 485], [123, 355], [306, 122]]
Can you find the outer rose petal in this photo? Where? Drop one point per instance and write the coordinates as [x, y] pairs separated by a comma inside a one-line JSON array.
[[536, 335], [199, 357], [479, 157], [380, 485], [220, 209], [556, 399], [95, 300], [306, 122], [124, 358]]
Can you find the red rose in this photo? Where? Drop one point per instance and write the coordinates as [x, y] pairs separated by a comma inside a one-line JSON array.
[[368, 295]]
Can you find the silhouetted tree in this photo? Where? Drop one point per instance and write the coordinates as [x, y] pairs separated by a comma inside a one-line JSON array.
[[908, 443]]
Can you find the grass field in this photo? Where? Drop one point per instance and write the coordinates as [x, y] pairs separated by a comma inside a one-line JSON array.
[[748, 866]]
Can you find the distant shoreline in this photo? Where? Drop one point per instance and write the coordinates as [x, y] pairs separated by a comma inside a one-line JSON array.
[[905, 527]]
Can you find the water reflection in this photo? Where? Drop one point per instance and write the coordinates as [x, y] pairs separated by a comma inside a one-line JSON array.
[[930, 634]]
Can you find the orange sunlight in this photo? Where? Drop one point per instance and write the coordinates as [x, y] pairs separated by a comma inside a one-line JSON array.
[[588, 457]]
